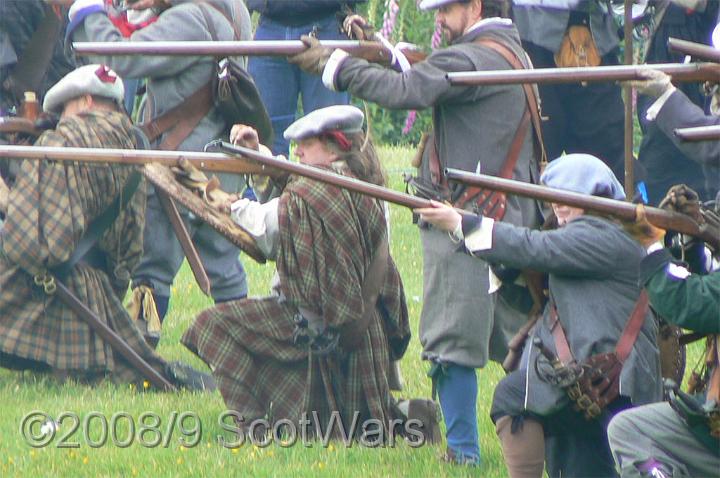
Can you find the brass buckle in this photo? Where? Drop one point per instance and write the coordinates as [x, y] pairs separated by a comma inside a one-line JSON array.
[[47, 282]]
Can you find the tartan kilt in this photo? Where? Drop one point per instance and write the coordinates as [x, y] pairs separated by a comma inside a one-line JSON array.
[[38, 331], [261, 373]]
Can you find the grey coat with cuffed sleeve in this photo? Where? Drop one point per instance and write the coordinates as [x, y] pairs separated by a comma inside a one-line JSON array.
[[593, 267], [474, 127]]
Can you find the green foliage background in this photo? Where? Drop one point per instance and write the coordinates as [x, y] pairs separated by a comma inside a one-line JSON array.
[[413, 26]]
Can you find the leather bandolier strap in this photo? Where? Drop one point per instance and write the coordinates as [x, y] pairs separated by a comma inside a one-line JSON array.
[[598, 384], [352, 334], [493, 203], [625, 342], [180, 121]]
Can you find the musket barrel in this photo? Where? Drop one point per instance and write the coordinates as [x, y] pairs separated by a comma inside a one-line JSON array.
[[679, 72], [699, 133], [207, 161], [323, 175], [620, 209], [213, 48], [696, 50]]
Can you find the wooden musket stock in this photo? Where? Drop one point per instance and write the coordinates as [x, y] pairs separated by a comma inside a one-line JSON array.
[[619, 209], [699, 133], [695, 50], [678, 72], [370, 50]]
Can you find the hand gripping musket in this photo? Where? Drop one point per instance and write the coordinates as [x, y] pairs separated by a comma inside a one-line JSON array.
[[695, 50], [159, 176], [373, 51], [620, 209], [691, 72], [699, 133]]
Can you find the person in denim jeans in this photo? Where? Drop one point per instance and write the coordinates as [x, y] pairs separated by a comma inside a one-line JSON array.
[[280, 83]]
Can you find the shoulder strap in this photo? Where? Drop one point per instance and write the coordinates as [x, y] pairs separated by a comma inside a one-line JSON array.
[[352, 335], [632, 328], [98, 226], [532, 102], [180, 121], [493, 203], [211, 27], [625, 342]]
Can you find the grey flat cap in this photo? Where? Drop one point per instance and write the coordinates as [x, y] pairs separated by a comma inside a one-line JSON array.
[[97, 80], [434, 4], [344, 118], [582, 173]]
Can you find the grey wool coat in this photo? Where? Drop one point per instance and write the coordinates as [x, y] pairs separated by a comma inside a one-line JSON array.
[[171, 79], [679, 112], [593, 268], [473, 126]]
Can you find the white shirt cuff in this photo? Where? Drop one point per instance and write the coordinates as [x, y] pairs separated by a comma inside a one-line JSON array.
[[655, 246], [481, 238], [331, 68], [655, 108]]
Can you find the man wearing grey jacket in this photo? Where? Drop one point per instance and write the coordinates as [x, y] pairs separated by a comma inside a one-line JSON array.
[[172, 81], [473, 128]]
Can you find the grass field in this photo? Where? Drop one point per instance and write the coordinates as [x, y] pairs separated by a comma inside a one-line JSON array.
[[96, 456]]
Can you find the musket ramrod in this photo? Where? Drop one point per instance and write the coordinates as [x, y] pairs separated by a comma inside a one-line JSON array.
[[620, 209]]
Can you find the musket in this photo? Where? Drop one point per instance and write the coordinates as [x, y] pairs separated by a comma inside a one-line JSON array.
[[275, 163], [620, 209], [698, 133], [695, 50], [370, 50], [54, 286], [214, 162], [679, 72]]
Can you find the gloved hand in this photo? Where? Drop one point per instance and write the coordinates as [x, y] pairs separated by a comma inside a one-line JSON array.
[[314, 59], [641, 230], [655, 84], [357, 28], [680, 198], [195, 180]]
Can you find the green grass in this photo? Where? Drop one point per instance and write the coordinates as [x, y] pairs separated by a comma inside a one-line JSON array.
[[23, 393]]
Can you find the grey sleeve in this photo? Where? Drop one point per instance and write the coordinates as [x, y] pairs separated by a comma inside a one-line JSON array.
[[577, 249], [181, 23], [423, 86], [679, 112]]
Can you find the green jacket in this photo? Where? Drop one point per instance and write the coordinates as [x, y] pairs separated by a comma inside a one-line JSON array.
[[689, 301], [692, 302]]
